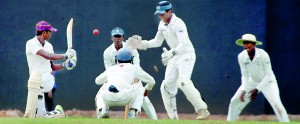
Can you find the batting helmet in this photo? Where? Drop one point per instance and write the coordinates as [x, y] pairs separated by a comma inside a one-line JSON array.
[[124, 54]]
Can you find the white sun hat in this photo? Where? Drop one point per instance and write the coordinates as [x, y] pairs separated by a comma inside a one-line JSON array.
[[248, 37]]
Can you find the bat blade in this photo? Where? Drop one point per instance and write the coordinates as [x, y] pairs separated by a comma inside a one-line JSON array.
[[69, 34]]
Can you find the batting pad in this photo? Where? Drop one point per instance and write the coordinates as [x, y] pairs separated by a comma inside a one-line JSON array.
[[169, 102], [34, 83], [192, 94]]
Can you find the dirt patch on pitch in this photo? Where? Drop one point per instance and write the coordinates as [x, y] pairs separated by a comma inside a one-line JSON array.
[[182, 116]]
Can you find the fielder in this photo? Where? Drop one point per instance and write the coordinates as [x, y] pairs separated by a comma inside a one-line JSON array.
[[40, 56], [120, 88], [180, 60], [257, 76], [109, 57]]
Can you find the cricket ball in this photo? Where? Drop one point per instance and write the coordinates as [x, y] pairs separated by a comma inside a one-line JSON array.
[[95, 32]]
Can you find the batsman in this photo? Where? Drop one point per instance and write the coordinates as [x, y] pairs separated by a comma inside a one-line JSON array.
[[180, 60], [40, 56], [109, 57]]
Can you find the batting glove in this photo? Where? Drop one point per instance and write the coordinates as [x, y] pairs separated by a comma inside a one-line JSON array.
[[167, 55], [69, 64], [70, 53]]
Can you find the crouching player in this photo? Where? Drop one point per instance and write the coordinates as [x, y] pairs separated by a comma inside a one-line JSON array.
[[109, 58], [40, 54], [119, 89]]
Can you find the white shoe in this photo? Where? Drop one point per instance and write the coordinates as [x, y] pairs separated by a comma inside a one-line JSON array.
[[58, 112], [202, 114], [102, 113], [175, 117], [132, 114]]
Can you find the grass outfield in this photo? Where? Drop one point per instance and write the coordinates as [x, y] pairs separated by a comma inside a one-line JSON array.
[[77, 120]]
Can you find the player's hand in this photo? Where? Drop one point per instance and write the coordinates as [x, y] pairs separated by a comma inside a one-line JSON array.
[[70, 53], [167, 55], [253, 94], [242, 97], [146, 92], [69, 64], [136, 42]]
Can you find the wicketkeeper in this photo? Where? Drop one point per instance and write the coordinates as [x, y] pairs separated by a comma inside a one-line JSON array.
[[40, 56], [180, 60]]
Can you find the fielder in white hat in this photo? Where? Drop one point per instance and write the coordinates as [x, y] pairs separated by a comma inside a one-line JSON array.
[[257, 76], [248, 37]]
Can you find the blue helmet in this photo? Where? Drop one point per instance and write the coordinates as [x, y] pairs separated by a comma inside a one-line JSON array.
[[124, 54], [162, 6], [117, 31]]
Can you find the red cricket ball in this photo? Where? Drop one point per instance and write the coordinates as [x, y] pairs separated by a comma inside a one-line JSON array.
[[96, 32]]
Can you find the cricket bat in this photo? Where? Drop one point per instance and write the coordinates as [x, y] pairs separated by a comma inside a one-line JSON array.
[[69, 34], [69, 37]]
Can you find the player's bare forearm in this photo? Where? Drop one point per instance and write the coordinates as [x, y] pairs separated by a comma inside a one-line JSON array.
[[57, 57], [50, 56], [56, 67], [146, 92], [242, 97]]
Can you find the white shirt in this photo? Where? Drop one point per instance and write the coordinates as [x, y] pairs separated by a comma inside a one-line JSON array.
[[36, 61], [258, 71], [109, 56], [122, 76], [175, 34]]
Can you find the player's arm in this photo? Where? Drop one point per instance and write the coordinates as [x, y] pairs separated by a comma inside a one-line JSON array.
[[56, 67], [136, 57], [136, 42], [145, 78], [245, 75], [269, 75], [158, 39], [183, 39], [101, 79], [107, 59], [244, 71], [50, 56]]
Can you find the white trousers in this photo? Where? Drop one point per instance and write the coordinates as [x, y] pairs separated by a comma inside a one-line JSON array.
[[133, 97], [178, 74], [48, 81], [271, 93]]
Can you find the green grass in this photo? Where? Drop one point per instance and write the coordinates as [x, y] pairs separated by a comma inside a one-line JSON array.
[[79, 120]]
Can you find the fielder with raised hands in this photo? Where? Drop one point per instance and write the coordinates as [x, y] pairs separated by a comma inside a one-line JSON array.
[[257, 76], [109, 57], [119, 88], [180, 60], [40, 56]]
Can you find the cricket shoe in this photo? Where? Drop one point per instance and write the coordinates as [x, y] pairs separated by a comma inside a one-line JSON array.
[[58, 112], [102, 114], [202, 114], [132, 114]]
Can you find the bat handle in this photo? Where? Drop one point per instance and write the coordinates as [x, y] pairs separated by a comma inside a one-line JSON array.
[[70, 64], [165, 49]]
